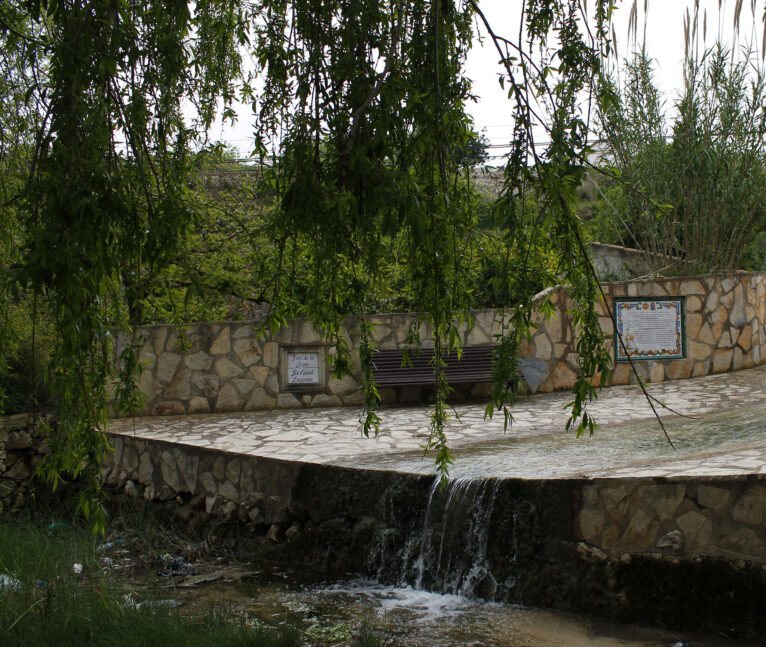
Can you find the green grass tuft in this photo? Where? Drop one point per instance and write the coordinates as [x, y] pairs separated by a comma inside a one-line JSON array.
[[44, 602]]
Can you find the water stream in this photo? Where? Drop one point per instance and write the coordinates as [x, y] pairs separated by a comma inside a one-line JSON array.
[[464, 550], [449, 554], [403, 616], [560, 454]]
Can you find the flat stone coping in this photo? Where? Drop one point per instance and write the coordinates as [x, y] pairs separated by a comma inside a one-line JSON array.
[[333, 435]]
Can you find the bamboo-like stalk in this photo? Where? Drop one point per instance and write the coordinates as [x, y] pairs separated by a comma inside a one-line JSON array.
[[699, 194]]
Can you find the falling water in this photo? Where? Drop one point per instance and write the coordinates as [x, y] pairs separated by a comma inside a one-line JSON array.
[[448, 553]]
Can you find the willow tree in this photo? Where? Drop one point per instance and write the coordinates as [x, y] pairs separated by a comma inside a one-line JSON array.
[[106, 161], [360, 109], [361, 115]]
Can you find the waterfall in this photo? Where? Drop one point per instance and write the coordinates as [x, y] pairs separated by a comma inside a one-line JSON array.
[[448, 554]]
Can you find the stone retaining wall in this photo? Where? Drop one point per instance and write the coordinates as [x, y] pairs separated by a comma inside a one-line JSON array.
[[721, 517], [687, 554], [725, 318], [691, 516], [725, 324], [618, 263], [229, 368], [225, 486], [21, 447]]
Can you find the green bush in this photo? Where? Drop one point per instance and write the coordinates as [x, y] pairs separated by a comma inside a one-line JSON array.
[[22, 384]]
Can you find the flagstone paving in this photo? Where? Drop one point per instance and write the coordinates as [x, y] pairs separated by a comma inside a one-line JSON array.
[[333, 436]]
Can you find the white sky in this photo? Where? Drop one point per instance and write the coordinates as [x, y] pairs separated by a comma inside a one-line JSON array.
[[662, 25]]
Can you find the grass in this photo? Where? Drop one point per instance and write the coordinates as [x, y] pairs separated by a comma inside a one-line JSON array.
[[45, 603]]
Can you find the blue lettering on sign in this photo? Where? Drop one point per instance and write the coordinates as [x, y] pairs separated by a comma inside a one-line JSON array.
[[303, 368]]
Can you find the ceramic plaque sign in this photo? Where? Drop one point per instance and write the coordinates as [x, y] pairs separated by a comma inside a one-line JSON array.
[[650, 328], [303, 368]]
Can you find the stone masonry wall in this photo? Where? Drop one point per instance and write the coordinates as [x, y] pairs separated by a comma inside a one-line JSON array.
[[688, 516], [725, 317], [21, 447], [227, 367], [275, 502], [686, 553], [618, 263], [721, 517]]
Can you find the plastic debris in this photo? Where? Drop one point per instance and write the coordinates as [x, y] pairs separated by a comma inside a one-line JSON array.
[[128, 601], [160, 604], [9, 583], [225, 574], [77, 569], [176, 567], [57, 524]]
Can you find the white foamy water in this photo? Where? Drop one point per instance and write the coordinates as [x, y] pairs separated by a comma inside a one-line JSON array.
[[424, 606]]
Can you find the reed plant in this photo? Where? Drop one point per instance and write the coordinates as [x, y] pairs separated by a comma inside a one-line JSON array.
[[688, 183]]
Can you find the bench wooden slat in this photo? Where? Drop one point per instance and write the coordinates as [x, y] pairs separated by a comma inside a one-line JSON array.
[[475, 365]]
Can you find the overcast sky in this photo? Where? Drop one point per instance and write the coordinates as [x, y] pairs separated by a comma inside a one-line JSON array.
[[661, 26]]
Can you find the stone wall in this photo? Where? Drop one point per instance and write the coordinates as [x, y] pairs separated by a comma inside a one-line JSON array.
[[683, 553], [688, 516], [725, 324], [228, 367], [21, 448], [725, 318], [618, 263], [716, 517], [277, 503]]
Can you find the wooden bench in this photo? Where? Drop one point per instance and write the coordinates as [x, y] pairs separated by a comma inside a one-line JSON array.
[[475, 365]]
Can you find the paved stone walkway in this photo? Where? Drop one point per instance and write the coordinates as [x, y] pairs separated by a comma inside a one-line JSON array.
[[333, 435]]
